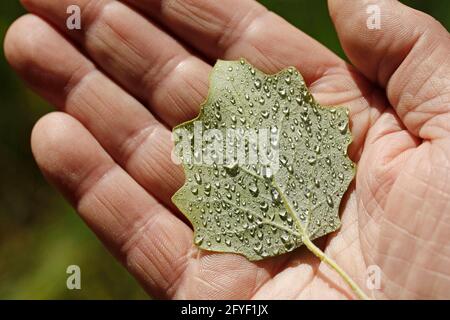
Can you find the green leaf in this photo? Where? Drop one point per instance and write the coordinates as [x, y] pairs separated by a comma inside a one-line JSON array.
[[291, 193]]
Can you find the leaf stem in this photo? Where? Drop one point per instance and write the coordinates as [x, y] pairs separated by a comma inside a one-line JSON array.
[[319, 253], [323, 257]]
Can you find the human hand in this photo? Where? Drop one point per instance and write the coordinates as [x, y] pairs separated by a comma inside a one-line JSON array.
[[122, 81]]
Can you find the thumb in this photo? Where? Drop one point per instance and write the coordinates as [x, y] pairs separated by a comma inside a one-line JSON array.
[[408, 53]]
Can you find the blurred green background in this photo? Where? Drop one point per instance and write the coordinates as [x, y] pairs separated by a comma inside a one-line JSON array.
[[40, 235]]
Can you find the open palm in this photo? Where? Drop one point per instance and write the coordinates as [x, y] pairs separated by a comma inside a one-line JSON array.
[[139, 67]]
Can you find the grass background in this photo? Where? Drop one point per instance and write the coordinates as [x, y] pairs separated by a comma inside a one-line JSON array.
[[40, 235]]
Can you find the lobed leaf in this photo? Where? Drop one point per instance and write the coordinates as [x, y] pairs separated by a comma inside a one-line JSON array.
[[266, 207]]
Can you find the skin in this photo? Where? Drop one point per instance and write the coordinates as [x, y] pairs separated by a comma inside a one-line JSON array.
[[139, 67]]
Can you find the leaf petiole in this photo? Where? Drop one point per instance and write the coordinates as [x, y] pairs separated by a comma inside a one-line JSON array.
[[330, 262], [319, 253]]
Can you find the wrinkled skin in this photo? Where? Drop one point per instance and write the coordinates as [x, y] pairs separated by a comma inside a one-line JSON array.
[[139, 67]]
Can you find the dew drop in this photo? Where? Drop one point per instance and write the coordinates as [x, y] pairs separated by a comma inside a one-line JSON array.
[[259, 234], [253, 188], [264, 206], [312, 159], [317, 149], [342, 126], [198, 240], [282, 92], [257, 84], [289, 220], [258, 248], [285, 238], [289, 246], [317, 182], [307, 193], [329, 200], [232, 169], [290, 169], [276, 198], [198, 178], [287, 80]]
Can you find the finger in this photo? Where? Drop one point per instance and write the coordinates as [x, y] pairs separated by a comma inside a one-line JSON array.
[[241, 28], [270, 43], [107, 112], [189, 96], [130, 134], [152, 243], [138, 55], [409, 55]]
